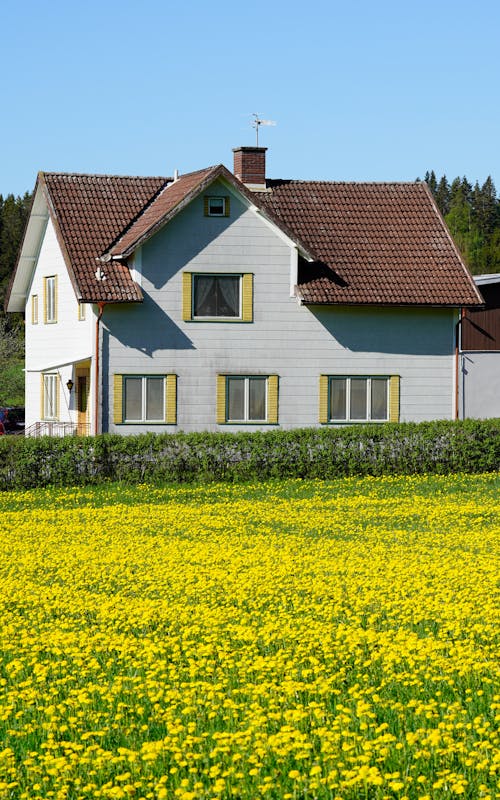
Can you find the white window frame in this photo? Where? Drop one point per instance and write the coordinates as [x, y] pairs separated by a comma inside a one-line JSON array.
[[238, 275], [218, 199], [143, 418], [34, 309], [50, 389], [50, 299], [246, 398], [368, 379]]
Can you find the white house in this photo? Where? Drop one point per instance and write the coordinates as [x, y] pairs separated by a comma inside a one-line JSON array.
[[227, 301]]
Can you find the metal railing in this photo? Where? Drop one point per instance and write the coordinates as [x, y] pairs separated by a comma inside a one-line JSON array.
[[44, 428]]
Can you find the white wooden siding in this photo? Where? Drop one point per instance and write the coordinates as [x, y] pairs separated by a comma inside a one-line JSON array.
[[57, 346]]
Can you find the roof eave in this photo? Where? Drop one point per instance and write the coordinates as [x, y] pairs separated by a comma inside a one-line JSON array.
[[20, 280]]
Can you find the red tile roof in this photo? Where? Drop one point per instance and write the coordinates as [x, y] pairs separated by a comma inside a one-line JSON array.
[[90, 212], [159, 211], [380, 243], [365, 243]]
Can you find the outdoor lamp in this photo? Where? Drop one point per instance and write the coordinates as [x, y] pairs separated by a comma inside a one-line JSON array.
[[70, 385]]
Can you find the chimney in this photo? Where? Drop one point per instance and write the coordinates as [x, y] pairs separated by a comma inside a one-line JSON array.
[[250, 166]]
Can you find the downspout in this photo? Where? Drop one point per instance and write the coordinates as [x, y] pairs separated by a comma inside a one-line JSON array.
[[97, 367], [457, 350]]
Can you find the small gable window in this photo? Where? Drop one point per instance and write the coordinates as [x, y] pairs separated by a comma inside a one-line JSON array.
[[34, 309], [50, 299], [216, 206]]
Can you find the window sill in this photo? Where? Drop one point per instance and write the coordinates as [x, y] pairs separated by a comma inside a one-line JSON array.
[[356, 422], [218, 319], [145, 422]]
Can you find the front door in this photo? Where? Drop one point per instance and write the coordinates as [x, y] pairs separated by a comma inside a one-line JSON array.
[[82, 396]]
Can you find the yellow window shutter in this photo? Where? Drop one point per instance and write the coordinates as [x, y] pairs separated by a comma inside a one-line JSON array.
[[117, 399], [58, 392], [187, 284], [220, 413], [171, 399], [323, 399], [226, 206], [247, 297], [394, 398], [42, 395], [45, 300], [272, 399], [205, 205]]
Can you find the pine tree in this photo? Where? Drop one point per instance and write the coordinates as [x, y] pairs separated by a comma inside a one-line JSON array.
[[443, 196]]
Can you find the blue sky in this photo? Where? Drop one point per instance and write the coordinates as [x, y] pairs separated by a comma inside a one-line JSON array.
[[360, 90]]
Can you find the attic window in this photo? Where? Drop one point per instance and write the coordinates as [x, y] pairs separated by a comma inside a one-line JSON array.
[[216, 206]]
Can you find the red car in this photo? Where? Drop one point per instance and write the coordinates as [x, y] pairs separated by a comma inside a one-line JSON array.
[[2, 429]]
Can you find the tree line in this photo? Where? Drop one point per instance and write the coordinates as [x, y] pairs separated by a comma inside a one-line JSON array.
[[472, 213], [14, 213]]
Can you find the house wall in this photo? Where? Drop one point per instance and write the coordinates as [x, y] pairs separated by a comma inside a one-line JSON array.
[[54, 347], [479, 384], [296, 342]]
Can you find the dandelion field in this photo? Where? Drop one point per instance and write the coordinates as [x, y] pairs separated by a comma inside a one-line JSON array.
[[298, 639]]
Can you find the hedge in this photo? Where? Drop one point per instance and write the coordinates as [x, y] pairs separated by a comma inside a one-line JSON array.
[[405, 448]]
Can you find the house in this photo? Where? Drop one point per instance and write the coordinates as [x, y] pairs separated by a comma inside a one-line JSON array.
[[221, 300], [479, 353]]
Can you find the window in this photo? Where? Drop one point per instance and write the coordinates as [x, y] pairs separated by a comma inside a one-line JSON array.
[[34, 309], [213, 297], [247, 399], [50, 395], [216, 206], [81, 311], [216, 295], [50, 298], [145, 398], [359, 399]]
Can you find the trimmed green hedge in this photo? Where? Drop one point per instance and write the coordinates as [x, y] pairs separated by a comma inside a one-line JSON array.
[[407, 448]]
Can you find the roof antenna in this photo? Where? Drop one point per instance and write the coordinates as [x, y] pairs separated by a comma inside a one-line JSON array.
[[257, 122]]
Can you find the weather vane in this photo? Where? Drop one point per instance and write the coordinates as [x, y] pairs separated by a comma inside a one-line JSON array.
[[257, 122]]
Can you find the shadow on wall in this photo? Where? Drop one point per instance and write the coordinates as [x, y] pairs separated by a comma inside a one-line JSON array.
[[408, 331], [144, 327], [184, 239]]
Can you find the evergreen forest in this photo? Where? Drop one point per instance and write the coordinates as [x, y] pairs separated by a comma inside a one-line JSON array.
[[471, 211], [13, 215]]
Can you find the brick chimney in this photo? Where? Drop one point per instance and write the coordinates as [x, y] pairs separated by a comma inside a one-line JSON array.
[[250, 166]]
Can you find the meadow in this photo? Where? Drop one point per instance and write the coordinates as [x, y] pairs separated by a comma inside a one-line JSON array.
[[289, 640]]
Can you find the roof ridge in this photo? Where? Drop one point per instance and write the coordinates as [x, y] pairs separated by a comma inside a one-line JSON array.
[[196, 171], [345, 183], [104, 175]]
